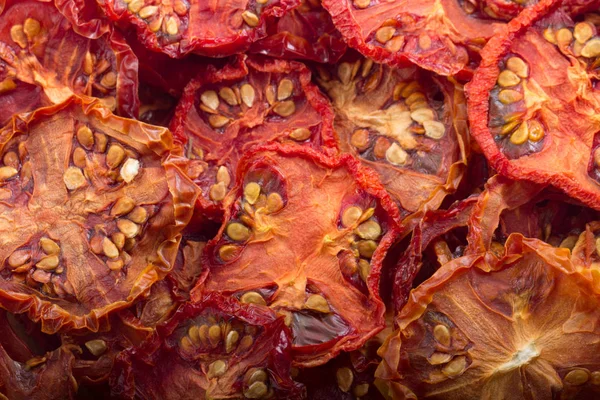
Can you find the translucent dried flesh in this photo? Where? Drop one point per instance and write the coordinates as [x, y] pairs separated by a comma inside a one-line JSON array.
[[301, 258], [103, 260], [515, 326], [46, 56], [414, 127]]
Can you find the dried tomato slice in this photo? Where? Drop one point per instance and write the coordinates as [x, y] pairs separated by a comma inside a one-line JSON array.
[[305, 33], [179, 27], [440, 35], [91, 217], [217, 348], [404, 123], [522, 326], [530, 116], [45, 57], [306, 236], [255, 100]]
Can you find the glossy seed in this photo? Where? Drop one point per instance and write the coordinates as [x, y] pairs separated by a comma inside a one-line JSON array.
[[97, 346], [186, 345], [228, 252], [255, 375], [101, 142], [256, 391], [130, 169], [250, 18], [369, 230], [564, 37], [251, 192], [455, 367], [351, 216], [135, 5], [360, 139], [248, 95], [172, 26], [238, 232], [441, 333], [216, 369], [214, 335], [210, 99], [48, 263], [18, 35], [79, 157], [383, 35], [194, 334], [362, 3], [396, 155], [218, 191], [156, 24], [409, 89], [549, 35], [274, 202], [509, 96], [118, 238], [223, 175], [361, 390], [203, 334], [300, 134], [595, 378], [245, 343], [536, 131], [231, 341], [49, 246], [109, 249], [180, 7], [520, 135], [7, 172], [591, 48], [139, 215], [285, 108], [344, 377], [577, 377], [148, 11], [438, 358], [583, 32], [218, 121], [109, 80], [318, 303], [366, 248], [122, 206], [115, 156], [518, 66], [507, 78], [228, 95], [19, 258], [73, 178], [366, 67], [285, 89], [434, 129], [253, 298], [31, 28], [128, 228], [421, 115], [415, 97], [364, 269]]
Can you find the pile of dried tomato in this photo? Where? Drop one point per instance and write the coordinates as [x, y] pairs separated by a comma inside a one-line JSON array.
[[299, 199]]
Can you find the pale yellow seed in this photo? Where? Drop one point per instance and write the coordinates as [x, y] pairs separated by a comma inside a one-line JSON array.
[[85, 137], [115, 156], [139, 215], [256, 391], [109, 249], [591, 48], [536, 131], [97, 346], [344, 377], [285, 89], [250, 18], [18, 35], [253, 298], [507, 78], [248, 94], [438, 358], [383, 35], [130, 169], [441, 333], [128, 228], [366, 248], [180, 7], [583, 32], [421, 115], [396, 155], [109, 80], [564, 37], [48, 263], [344, 72], [251, 192], [135, 6], [424, 41], [210, 99], [231, 341], [228, 252], [229, 96], [364, 269], [518, 66], [455, 367], [218, 191], [366, 67], [509, 96], [172, 26], [274, 202], [362, 3], [118, 238], [74, 178], [216, 369], [317, 303], [238, 232], [577, 377], [214, 335], [148, 11], [520, 135], [218, 121], [369, 230], [49, 246], [223, 175], [285, 108], [569, 242], [270, 94], [32, 28], [434, 129], [549, 35], [300, 134], [19, 258], [351, 216], [255, 375], [7, 85], [7, 173], [122, 206]]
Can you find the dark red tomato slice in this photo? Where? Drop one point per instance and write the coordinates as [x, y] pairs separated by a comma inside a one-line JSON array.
[[440, 35], [306, 236], [91, 214], [45, 57], [533, 101], [255, 100], [217, 348], [404, 123], [524, 326], [305, 33], [179, 27]]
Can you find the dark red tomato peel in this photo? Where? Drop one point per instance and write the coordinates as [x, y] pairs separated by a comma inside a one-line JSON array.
[[179, 27], [306, 235], [215, 348], [253, 100]]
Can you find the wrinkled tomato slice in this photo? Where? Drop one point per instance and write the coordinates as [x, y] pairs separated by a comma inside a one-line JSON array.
[[407, 125], [306, 236], [91, 216], [224, 112], [440, 35], [217, 348], [45, 57], [305, 33], [179, 27], [533, 102], [524, 325]]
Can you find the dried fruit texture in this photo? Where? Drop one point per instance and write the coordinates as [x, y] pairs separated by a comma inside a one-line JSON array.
[[217, 348], [179, 27], [403, 123], [46, 57], [520, 326], [305, 33], [255, 100], [430, 233], [532, 103], [306, 236], [443, 36], [497, 9], [91, 218]]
